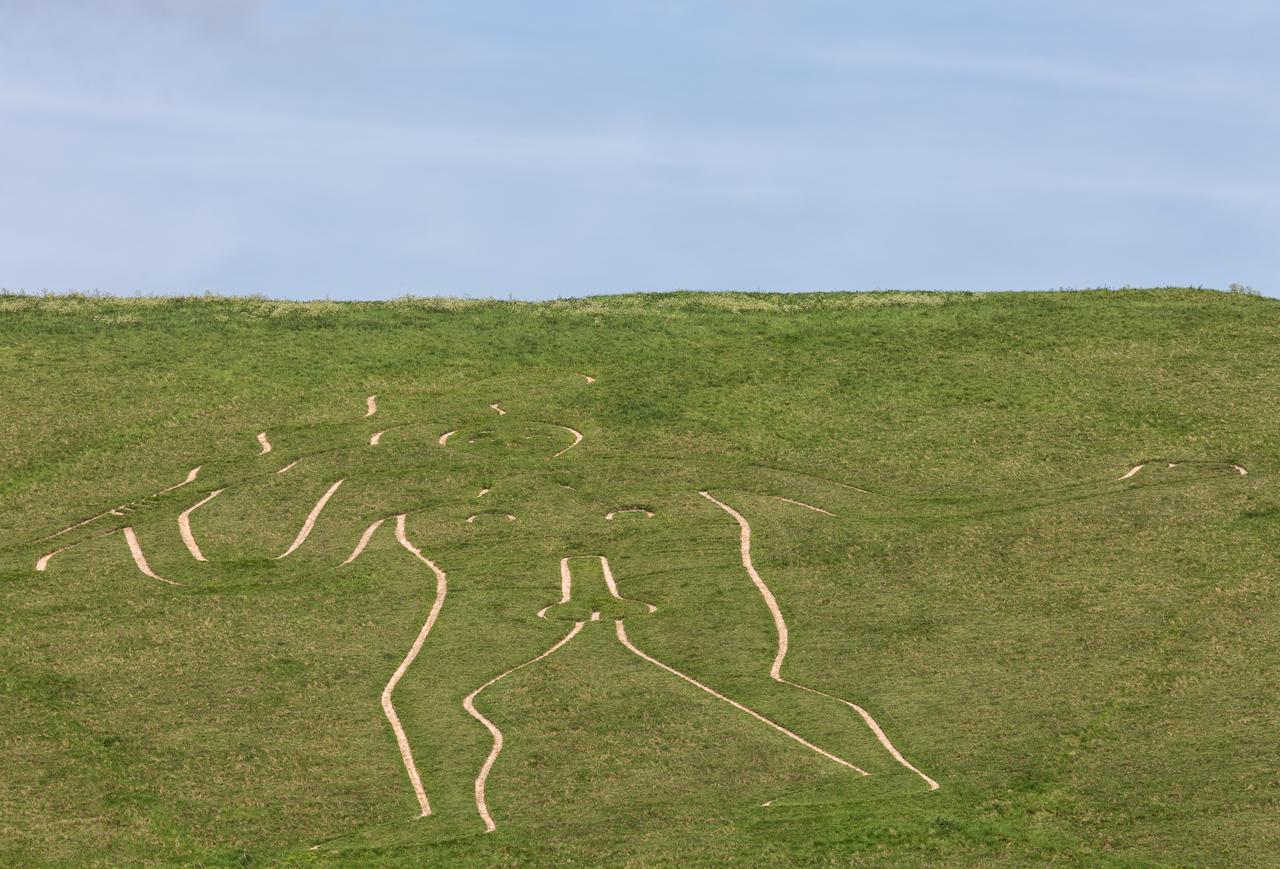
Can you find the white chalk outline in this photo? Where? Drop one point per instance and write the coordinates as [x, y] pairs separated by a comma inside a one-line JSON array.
[[577, 439], [266, 444], [191, 475], [775, 671], [566, 580], [288, 466], [110, 512], [566, 584], [42, 563], [1134, 470], [311, 519], [622, 637], [566, 587], [874, 727], [184, 525], [804, 505], [613, 586], [500, 411], [472, 518], [115, 511], [364, 541], [468, 704], [444, 438], [770, 601], [608, 578], [371, 405], [442, 588], [377, 436], [648, 513], [135, 549], [1237, 468], [588, 377]]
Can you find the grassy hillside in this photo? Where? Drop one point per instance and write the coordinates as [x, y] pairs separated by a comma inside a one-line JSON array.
[[1087, 666]]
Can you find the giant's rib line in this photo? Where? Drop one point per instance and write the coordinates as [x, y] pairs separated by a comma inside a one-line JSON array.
[[184, 525], [135, 549], [311, 520], [364, 541]]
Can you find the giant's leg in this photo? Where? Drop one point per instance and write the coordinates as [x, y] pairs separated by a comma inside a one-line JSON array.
[[783, 637], [626, 641], [468, 703]]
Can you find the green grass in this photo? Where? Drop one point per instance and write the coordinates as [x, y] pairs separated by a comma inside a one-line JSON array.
[[1088, 667]]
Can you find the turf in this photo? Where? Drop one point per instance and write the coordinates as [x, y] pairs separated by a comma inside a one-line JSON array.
[[1088, 666]]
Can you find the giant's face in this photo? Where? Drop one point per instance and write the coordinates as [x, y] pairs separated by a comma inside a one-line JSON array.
[[504, 440]]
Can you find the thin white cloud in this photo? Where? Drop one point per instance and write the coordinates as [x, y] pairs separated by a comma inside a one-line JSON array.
[[212, 17], [1180, 82], [768, 165]]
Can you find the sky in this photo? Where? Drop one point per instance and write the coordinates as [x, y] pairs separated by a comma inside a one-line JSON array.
[[360, 150]]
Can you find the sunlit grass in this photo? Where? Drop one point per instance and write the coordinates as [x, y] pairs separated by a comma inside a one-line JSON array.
[[1085, 664]]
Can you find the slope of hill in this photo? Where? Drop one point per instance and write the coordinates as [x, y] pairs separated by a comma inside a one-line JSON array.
[[676, 578]]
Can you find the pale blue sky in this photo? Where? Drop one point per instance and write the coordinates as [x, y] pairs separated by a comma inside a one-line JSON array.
[[539, 149]]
